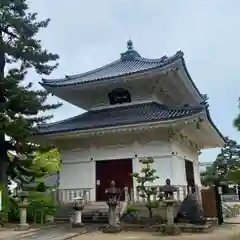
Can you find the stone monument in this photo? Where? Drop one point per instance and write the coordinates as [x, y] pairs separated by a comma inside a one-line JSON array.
[[112, 201], [23, 204], [170, 228], [190, 211], [78, 207]]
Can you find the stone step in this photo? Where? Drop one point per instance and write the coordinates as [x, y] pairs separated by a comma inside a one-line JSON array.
[[95, 218]]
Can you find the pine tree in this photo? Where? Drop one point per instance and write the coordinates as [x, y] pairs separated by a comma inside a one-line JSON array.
[[224, 167], [147, 175], [236, 121], [21, 105]]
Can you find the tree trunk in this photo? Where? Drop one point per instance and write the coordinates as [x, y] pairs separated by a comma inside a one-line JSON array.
[[3, 143], [150, 213]]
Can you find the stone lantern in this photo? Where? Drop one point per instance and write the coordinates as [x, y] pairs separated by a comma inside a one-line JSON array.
[[112, 201], [23, 211], [78, 207], [168, 190]]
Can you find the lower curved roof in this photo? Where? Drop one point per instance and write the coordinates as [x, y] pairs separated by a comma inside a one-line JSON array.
[[123, 115]]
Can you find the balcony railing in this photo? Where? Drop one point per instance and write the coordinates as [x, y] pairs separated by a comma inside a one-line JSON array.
[[230, 198], [179, 195], [68, 195]]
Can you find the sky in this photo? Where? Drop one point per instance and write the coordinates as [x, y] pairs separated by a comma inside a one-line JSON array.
[[89, 34]]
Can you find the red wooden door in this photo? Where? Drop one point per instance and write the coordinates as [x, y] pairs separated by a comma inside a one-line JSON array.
[[117, 170]]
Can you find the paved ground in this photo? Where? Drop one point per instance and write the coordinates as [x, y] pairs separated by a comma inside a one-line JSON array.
[[225, 232], [58, 232], [91, 232]]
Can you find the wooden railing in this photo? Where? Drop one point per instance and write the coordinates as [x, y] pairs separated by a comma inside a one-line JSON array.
[[179, 195], [68, 195]]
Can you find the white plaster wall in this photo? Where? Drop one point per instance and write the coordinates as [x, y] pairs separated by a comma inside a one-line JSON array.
[[182, 152], [78, 169], [197, 173], [154, 149], [163, 166]]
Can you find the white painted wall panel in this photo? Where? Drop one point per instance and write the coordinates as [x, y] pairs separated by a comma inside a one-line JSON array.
[[79, 175], [78, 170]]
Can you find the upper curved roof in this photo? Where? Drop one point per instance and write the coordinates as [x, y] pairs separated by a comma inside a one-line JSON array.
[[130, 62]]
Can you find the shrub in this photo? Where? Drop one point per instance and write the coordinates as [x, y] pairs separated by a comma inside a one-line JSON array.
[[147, 175], [131, 209]]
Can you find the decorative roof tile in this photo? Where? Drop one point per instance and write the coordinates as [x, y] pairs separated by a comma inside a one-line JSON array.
[[130, 62], [123, 115]]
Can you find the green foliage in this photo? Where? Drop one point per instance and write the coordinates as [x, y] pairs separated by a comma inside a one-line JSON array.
[[40, 206], [131, 208], [236, 121], [147, 175], [13, 211], [34, 167], [226, 167], [21, 112], [5, 204], [21, 105], [48, 161], [40, 203]]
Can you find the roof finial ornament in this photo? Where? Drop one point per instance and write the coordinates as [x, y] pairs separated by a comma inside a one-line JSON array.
[[130, 54], [129, 44]]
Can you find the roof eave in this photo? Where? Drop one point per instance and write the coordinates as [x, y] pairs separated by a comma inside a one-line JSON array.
[[200, 96], [119, 128], [222, 139]]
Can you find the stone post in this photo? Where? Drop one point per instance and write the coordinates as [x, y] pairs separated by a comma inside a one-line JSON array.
[[170, 228], [112, 202], [78, 207], [23, 212], [170, 211]]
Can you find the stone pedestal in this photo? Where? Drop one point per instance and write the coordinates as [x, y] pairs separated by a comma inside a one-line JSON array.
[[77, 220], [112, 215], [113, 226], [170, 211], [23, 226], [170, 228], [112, 203]]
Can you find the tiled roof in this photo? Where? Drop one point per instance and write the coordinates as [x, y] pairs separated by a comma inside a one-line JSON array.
[[123, 115], [130, 62]]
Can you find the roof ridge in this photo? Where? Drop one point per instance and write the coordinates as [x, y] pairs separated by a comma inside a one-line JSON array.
[[162, 60], [81, 74]]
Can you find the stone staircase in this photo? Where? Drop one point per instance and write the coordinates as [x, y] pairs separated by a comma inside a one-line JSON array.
[[228, 211], [96, 212]]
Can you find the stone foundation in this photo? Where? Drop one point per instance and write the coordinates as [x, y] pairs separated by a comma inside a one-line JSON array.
[[188, 228]]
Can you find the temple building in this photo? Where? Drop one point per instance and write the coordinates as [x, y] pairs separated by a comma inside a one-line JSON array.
[[135, 107]]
